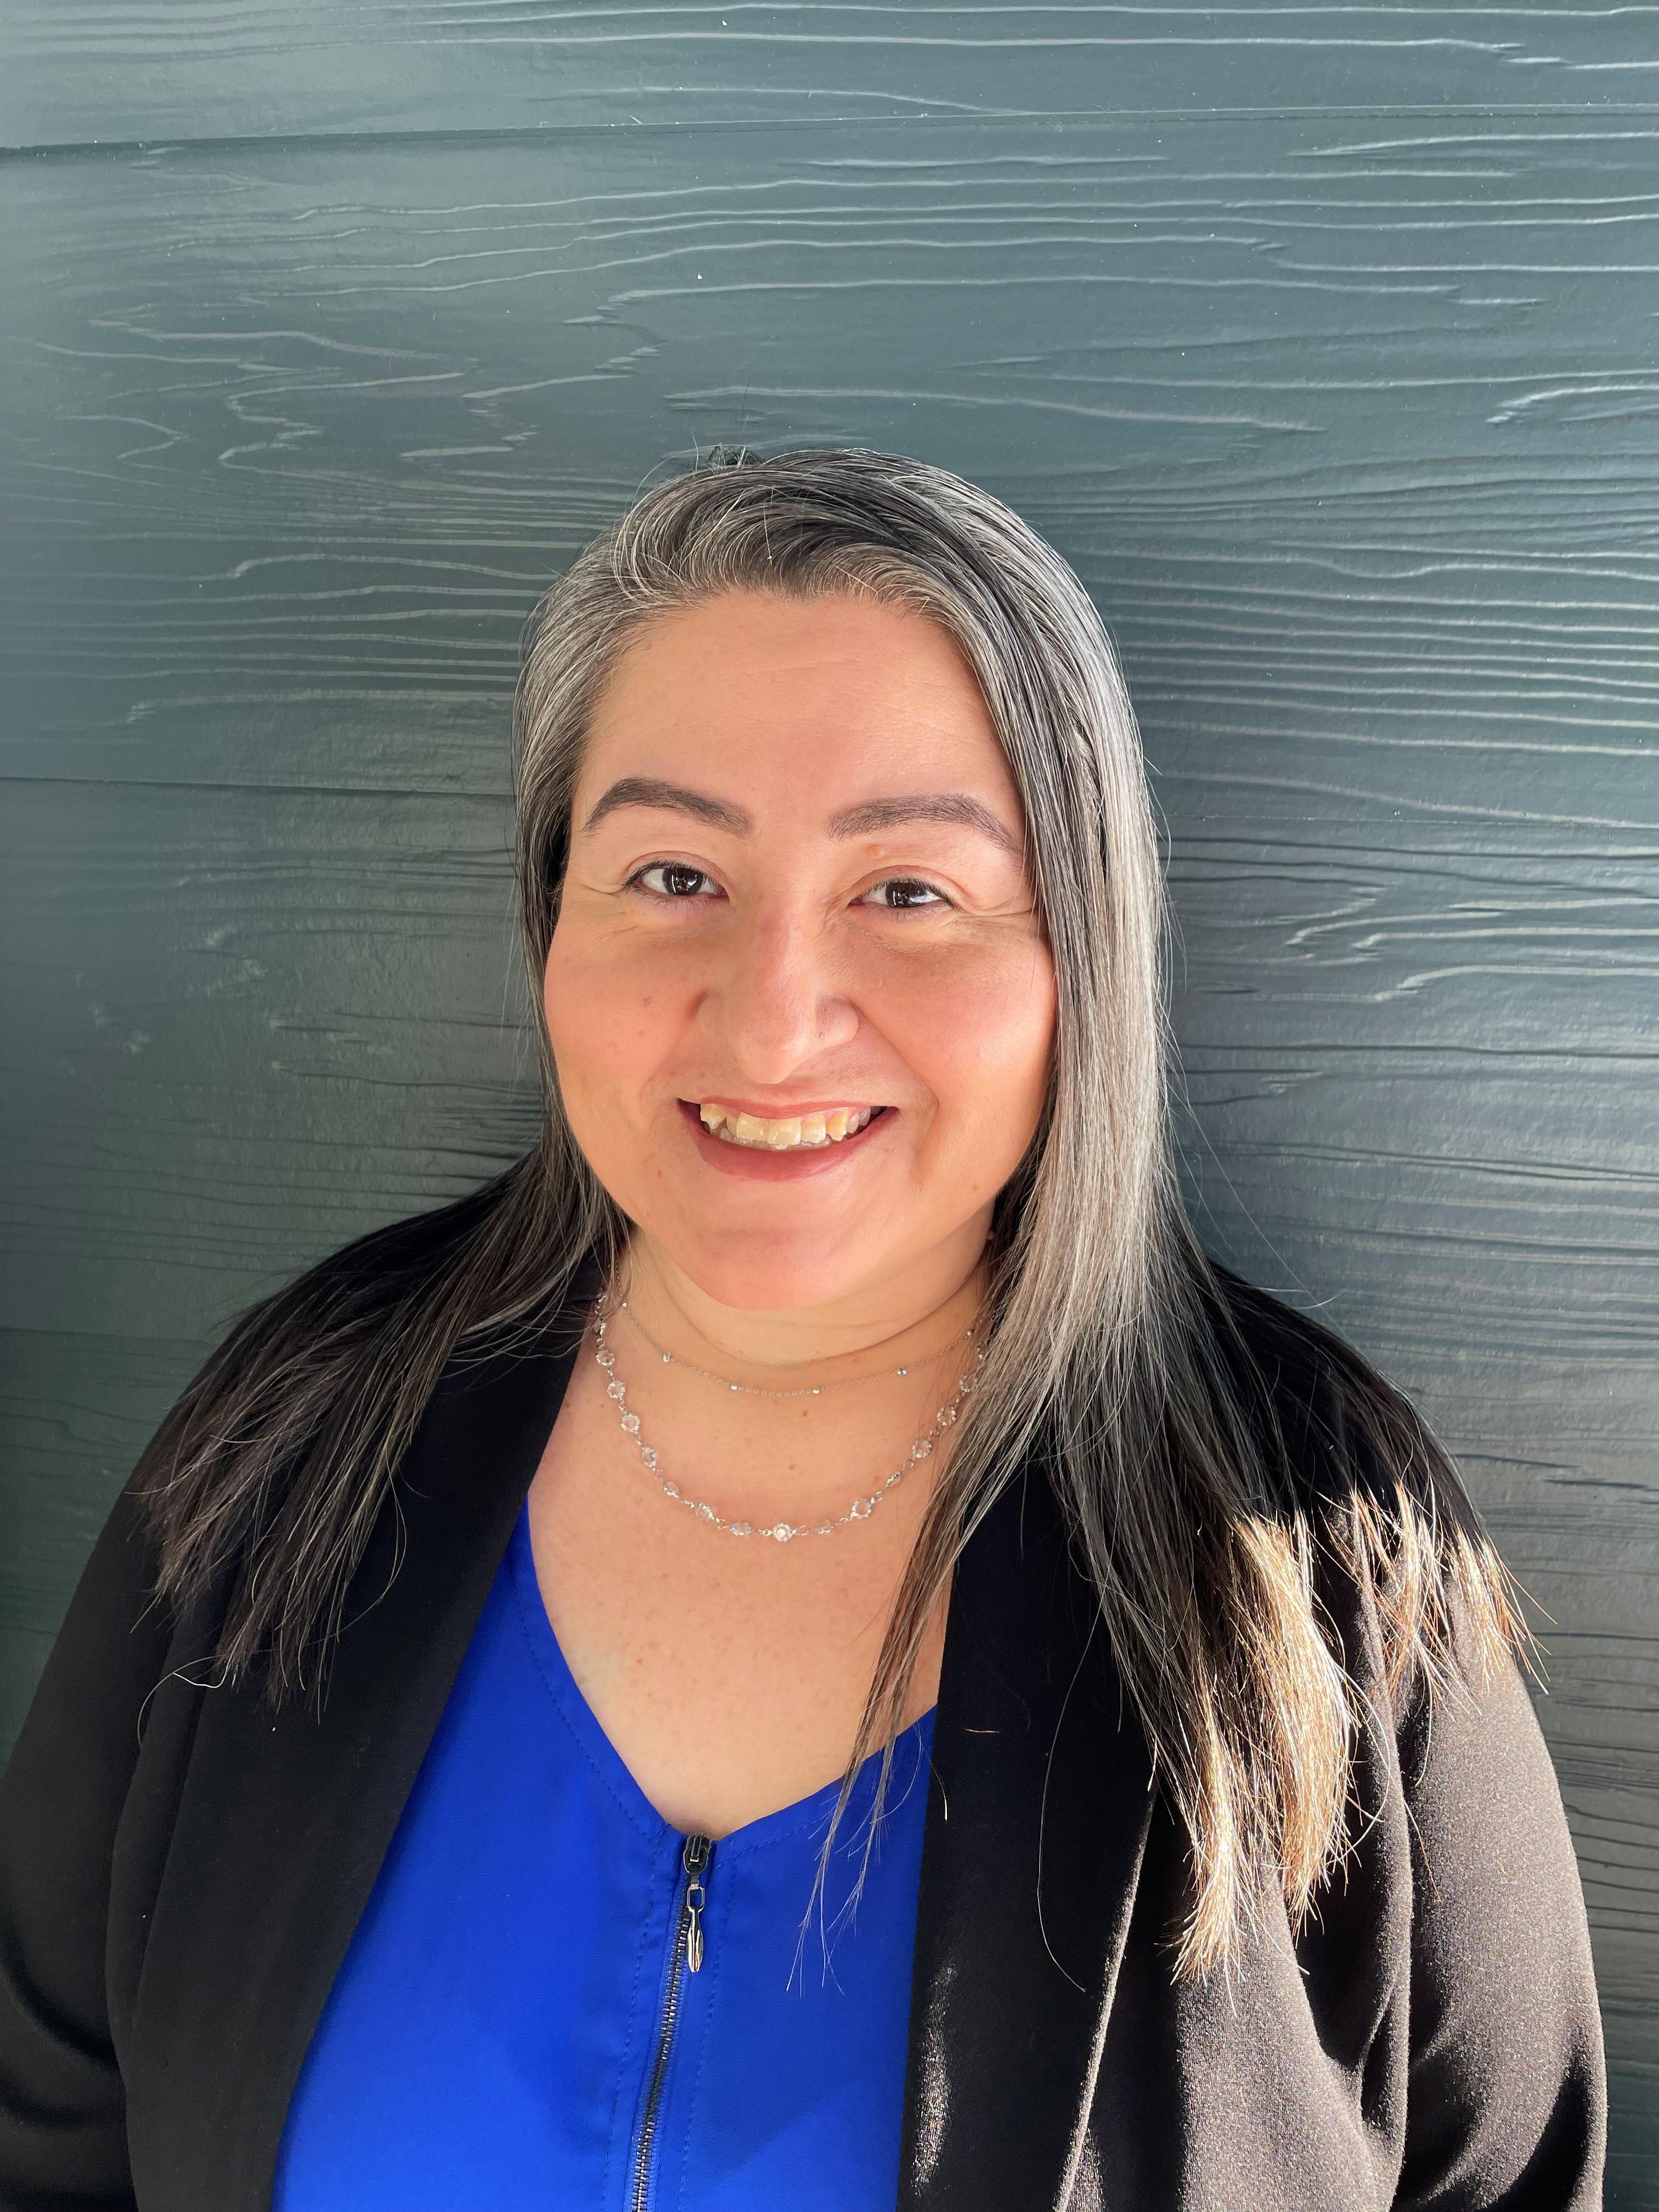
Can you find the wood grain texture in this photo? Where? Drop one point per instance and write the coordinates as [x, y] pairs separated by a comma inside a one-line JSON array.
[[1322, 340], [110, 71]]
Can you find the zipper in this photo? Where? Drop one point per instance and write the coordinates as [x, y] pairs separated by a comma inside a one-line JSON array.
[[685, 1958]]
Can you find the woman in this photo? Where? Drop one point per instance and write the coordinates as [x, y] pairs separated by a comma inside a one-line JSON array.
[[803, 1645]]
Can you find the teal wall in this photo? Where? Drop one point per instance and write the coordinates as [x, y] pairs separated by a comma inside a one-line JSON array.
[[1324, 340]]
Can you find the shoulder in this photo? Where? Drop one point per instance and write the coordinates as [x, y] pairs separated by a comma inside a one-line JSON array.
[[327, 1343], [414, 1253], [1333, 1425], [1406, 1575]]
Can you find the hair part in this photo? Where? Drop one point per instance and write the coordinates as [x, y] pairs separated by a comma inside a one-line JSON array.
[[1114, 1350]]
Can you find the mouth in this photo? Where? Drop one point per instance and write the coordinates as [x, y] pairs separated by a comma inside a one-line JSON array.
[[786, 1147], [789, 1133]]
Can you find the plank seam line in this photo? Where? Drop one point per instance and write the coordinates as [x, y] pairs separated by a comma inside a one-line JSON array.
[[1489, 112]]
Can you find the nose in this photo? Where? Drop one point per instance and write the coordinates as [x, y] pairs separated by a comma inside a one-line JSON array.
[[778, 1005]]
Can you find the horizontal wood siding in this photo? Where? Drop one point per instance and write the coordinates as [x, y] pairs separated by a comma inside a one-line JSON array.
[[1324, 342]]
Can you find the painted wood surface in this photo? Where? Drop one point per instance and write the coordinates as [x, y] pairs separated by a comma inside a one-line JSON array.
[[107, 71], [1322, 340]]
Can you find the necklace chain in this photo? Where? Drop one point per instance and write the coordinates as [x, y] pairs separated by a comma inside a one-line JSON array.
[[780, 1532], [758, 1390]]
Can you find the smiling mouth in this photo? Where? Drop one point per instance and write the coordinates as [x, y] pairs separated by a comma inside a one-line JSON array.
[[798, 1132]]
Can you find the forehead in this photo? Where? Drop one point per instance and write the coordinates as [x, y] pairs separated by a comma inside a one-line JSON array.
[[813, 697]]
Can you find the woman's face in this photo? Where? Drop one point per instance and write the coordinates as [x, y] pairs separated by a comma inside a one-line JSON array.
[[795, 898]]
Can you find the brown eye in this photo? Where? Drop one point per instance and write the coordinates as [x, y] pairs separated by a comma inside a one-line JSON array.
[[905, 891], [675, 879]]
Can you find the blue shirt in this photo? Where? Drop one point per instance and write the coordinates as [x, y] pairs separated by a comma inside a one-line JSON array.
[[517, 2023]]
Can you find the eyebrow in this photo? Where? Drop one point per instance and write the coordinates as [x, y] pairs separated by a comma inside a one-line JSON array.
[[873, 814]]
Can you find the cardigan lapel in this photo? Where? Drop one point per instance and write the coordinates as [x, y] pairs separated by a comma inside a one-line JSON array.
[[1037, 1818], [285, 1819]]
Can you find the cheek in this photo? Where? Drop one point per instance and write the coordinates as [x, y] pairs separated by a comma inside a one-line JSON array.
[[982, 1043], [609, 1020]]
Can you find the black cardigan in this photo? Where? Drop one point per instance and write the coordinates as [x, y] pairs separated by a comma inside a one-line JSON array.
[[180, 1873]]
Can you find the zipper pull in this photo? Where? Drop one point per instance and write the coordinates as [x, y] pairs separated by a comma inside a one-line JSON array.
[[699, 1850]]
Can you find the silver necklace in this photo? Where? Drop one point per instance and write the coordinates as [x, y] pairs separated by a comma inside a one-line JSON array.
[[758, 1390], [780, 1532]]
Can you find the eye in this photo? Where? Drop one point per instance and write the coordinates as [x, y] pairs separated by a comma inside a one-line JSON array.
[[675, 879], [905, 891]]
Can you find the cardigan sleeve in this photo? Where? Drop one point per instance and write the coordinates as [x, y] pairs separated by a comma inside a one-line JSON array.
[[1506, 2090], [63, 2137]]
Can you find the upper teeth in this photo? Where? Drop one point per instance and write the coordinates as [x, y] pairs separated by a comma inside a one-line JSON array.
[[827, 1129]]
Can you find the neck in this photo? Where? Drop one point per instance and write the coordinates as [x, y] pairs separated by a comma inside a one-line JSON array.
[[909, 1316]]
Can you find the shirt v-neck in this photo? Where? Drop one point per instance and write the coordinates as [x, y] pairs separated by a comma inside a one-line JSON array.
[[584, 1723], [515, 2021]]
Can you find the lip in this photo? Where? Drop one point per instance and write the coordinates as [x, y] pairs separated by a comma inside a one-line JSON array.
[[751, 1163]]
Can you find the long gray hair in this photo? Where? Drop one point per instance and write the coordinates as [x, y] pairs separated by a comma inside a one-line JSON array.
[[1113, 1350]]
